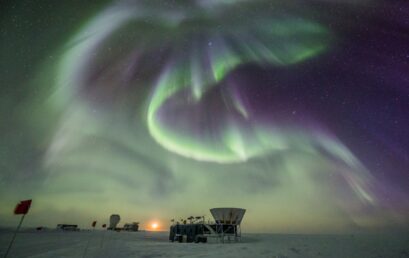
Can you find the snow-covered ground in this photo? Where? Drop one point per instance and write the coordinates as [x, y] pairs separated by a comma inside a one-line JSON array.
[[54, 244]]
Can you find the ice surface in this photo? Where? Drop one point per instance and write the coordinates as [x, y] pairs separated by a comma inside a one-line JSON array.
[[54, 244]]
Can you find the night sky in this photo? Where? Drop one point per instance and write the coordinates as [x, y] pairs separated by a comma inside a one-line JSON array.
[[297, 111]]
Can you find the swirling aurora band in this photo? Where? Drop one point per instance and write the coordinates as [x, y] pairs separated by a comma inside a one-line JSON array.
[[201, 56]]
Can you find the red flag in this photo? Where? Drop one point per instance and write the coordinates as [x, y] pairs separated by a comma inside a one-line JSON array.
[[104, 225], [22, 207], [94, 223]]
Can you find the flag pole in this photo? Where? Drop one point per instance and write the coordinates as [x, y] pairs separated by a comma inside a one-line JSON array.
[[89, 238], [86, 246], [14, 236], [103, 238]]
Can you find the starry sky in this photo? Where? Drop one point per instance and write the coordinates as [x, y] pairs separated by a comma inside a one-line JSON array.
[[156, 109]]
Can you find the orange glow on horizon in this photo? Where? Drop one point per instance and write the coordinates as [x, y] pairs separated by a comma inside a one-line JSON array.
[[154, 226]]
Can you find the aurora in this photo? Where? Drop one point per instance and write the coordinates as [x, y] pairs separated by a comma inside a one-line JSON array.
[[285, 109], [197, 48]]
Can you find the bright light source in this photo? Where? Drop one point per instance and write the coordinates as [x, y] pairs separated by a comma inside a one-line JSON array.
[[154, 225]]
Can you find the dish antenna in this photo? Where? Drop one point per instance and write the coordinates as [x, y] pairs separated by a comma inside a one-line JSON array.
[[113, 221]]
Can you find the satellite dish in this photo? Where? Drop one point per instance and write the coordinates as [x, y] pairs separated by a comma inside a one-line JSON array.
[[228, 215], [114, 220]]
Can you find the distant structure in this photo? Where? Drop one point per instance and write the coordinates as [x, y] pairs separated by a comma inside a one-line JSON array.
[[113, 221], [231, 216], [67, 227], [226, 225], [134, 226]]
